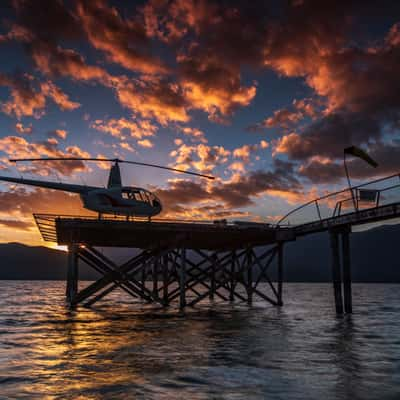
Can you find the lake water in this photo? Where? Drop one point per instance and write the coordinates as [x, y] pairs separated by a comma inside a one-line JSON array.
[[126, 350]]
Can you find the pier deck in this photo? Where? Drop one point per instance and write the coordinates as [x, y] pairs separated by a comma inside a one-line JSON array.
[[142, 235], [203, 259]]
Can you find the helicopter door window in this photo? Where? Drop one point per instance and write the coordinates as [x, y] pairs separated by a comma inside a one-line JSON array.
[[136, 196], [144, 196]]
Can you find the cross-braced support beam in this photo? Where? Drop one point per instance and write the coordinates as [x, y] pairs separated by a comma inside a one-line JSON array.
[[169, 274]]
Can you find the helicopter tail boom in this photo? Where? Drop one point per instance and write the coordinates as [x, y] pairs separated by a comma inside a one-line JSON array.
[[50, 185]]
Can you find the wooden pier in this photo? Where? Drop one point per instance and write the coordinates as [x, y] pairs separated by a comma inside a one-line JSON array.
[[172, 262], [182, 262]]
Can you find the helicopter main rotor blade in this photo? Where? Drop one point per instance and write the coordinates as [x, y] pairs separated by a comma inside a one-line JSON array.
[[65, 159], [167, 168], [117, 160]]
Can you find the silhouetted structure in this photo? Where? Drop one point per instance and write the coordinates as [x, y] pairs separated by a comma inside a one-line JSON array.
[[189, 261]]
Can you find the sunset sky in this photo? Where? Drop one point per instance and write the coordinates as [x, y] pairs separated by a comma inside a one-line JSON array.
[[264, 95]]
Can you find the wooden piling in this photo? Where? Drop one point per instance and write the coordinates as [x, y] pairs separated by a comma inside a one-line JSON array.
[[182, 280], [155, 277], [228, 272], [336, 274], [212, 278], [280, 273], [348, 308], [165, 279], [143, 274], [232, 283], [72, 273], [249, 276]]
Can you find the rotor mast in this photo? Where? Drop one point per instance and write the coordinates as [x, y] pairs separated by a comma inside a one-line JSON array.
[[114, 178]]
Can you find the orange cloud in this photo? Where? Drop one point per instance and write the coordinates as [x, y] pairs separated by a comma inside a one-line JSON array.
[[59, 133], [53, 60], [288, 142], [23, 130], [26, 100], [195, 133], [283, 118], [123, 40], [18, 147], [17, 207], [237, 166], [127, 146], [217, 101], [121, 127], [145, 143], [153, 98], [50, 90], [247, 150], [202, 157]]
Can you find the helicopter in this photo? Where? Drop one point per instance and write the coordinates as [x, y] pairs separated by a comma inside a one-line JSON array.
[[115, 199]]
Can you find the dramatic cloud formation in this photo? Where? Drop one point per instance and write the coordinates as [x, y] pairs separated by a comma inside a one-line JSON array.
[[26, 100], [239, 191], [123, 41], [202, 157], [18, 147], [263, 95], [121, 128]]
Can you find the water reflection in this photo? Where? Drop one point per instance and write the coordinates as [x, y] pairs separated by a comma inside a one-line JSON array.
[[222, 351]]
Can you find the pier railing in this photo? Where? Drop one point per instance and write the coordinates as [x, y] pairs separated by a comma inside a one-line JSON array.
[[368, 195]]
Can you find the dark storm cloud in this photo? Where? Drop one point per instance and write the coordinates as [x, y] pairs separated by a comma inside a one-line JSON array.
[[214, 40], [238, 192], [386, 155], [183, 192], [124, 41], [47, 20], [353, 73]]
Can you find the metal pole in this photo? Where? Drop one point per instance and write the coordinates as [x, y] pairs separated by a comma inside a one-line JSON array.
[[336, 275], [182, 280], [280, 272], [348, 181], [346, 272]]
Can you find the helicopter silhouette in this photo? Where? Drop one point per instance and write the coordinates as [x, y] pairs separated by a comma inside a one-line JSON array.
[[115, 199]]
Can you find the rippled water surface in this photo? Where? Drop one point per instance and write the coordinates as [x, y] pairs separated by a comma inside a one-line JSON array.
[[124, 350]]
